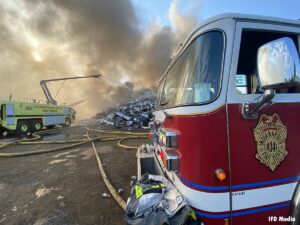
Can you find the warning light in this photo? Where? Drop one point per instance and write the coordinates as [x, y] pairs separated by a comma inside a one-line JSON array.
[[226, 222], [220, 174]]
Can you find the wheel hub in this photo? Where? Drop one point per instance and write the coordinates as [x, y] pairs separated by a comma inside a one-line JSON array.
[[24, 127]]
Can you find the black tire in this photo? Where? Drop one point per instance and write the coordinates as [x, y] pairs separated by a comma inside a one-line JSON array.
[[67, 122], [36, 125], [23, 128]]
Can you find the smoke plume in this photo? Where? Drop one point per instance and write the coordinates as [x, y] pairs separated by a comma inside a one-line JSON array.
[[58, 38]]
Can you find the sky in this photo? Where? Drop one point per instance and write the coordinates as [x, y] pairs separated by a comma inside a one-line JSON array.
[[131, 41]]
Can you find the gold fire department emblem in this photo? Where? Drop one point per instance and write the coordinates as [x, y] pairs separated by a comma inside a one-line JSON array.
[[270, 135]]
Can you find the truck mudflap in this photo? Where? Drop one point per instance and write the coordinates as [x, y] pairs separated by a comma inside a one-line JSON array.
[[154, 199]]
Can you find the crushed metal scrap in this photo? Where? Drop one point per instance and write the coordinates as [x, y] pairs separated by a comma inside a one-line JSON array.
[[134, 114]]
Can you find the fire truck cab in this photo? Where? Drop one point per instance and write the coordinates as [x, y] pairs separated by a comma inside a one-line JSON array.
[[226, 127]]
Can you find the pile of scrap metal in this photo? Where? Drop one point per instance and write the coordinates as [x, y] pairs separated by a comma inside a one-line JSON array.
[[155, 201], [134, 114]]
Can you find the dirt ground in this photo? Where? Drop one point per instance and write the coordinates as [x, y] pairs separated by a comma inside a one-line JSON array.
[[64, 187]]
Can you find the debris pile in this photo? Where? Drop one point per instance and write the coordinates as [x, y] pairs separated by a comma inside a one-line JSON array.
[[134, 114]]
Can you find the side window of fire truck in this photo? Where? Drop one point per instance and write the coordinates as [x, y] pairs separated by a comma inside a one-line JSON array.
[[195, 76], [251, 40]]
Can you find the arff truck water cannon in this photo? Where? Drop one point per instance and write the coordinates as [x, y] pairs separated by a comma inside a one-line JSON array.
[[226, 127], [47, 93]]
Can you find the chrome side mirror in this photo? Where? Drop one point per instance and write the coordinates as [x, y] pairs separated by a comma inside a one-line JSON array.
[[278, 67], [278, 64]]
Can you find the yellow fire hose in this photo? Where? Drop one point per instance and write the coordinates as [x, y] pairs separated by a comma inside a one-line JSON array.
[[49, 142], [109, 186], [73, 143], [118, 132], [76, 143], [125, 146]]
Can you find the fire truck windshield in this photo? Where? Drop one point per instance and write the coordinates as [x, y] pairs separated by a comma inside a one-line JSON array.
[[195, 76]]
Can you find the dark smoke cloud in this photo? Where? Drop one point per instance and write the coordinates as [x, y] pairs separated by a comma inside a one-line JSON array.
[[46, 39], [157, 55]]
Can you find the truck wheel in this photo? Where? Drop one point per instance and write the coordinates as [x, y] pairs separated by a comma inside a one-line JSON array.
[[36, 125], [67, 122], [23, 127]]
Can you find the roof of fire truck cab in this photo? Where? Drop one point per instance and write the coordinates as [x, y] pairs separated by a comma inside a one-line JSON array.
[[234, 16]]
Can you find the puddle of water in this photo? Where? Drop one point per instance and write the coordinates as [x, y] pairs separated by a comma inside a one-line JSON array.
[[8, 139], [54, 137], [59, 137]]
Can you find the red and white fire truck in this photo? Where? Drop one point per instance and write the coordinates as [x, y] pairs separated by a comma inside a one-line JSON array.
[[226, 127]]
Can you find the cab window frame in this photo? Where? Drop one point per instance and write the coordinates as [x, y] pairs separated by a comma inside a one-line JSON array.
[[181, 53], [252, 81], [232, 95]]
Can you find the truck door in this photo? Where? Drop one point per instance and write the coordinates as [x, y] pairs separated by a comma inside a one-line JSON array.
[[264, 151], [10, 115]]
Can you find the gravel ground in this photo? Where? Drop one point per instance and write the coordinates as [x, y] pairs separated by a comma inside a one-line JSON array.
[[64, 187]]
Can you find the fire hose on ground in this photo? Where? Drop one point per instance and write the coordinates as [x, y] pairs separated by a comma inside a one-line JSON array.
[[72, 143], [185, 214], [76, 143]]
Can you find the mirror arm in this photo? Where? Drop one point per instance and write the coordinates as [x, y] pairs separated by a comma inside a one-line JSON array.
[[266, 98]]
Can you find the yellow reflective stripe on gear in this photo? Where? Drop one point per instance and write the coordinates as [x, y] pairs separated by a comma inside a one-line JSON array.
[[192, 214], [158, 186], [138, 191]]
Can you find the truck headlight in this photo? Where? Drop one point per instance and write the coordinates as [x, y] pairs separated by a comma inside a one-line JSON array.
[[168, 138], [171, 159]]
